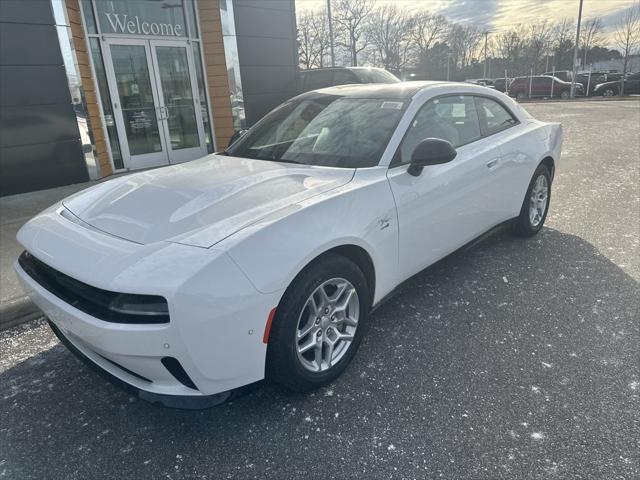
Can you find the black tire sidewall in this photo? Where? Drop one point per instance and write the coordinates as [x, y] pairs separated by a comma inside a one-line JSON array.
[[523, 226], [283, 364]]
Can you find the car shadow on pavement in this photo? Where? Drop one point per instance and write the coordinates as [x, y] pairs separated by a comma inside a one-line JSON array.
[[512, 358]]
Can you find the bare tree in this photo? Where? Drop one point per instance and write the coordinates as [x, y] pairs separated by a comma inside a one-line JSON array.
[[388, 30], [305, 41], [538, 37], [511, 47], [351, 18], [591, 36], [427, 29], [464, 42], [322, 38], [627, 37], [313, 39], [562, 42]]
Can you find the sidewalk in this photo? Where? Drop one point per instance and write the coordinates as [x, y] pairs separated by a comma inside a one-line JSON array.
[[15, 210]]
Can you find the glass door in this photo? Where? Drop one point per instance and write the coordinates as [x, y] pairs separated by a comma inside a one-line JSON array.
[[155, 103], [136, 103], [180, 108]]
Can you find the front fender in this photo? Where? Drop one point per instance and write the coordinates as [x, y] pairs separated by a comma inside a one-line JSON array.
[[362, 213]]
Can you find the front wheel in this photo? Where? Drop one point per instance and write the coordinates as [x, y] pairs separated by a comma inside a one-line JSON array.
[[535, 205], [521, 96], [319, 324], [609, 92], [565, 95]]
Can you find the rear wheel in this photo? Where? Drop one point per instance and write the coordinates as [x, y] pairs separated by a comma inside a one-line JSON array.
[[565, 94], [521, 96], [536, 204], [319, 324]]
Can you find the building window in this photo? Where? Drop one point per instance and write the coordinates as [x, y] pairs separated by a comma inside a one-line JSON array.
[[109, 123], [140, 18], [202, 96], [233, 63]]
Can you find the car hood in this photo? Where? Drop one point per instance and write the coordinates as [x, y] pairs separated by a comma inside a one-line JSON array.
[[202, 202]]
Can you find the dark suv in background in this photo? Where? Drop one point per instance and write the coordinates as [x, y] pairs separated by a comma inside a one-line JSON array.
[[328, 77], [609, 89], [542, 86]]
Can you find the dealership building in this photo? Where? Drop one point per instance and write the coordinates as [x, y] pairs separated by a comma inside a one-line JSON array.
[[89, 88]]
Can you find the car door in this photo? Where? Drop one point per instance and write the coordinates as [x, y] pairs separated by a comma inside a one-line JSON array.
[[632, 84], [446, 205], [508, 177], [541, 87]]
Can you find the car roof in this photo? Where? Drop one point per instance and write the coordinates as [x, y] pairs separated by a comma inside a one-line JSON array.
[[401, 90], [338, 67]]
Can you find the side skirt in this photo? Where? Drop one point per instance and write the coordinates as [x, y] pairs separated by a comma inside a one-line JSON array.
[[467, 246]]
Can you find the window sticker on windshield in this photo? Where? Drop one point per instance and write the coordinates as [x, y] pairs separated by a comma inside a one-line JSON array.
[[393, 105]]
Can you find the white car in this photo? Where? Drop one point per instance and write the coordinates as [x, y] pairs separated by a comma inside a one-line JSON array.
[[191, 281]]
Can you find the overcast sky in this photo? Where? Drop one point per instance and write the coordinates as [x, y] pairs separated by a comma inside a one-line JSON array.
[[503, 14]]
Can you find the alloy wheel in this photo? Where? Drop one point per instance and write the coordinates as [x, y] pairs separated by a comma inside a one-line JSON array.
[[538, 200], [327, 324]]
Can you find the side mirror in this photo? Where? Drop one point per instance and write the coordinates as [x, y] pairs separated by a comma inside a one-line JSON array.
[[236, 135], [430, 151]]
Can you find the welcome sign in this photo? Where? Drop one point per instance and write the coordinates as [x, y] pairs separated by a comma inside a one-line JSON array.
[[163, 18], [135, 26]]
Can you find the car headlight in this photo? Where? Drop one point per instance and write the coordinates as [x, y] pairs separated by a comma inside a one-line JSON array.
[[129, 304]]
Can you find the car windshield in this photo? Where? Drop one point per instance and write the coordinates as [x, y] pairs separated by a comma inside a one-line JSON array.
[[324, 130], [375, 75]]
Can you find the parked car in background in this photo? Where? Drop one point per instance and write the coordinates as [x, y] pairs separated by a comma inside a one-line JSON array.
[[542, 86], [187, 282], [328, 77], [564, 75], [487, 82], [500, 84], [610, 89]]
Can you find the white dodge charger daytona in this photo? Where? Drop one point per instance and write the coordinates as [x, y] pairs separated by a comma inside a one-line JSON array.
[[189, 282]]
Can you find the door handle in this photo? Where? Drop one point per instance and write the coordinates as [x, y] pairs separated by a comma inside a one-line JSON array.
[[493, 163], [163, 113]]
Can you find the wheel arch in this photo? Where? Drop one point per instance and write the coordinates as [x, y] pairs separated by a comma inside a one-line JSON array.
[[355, 253], [550, 163]]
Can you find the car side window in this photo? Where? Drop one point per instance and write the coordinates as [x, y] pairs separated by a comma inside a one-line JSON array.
[[343, 77], [318, 79], [453, 119], [493, 116]]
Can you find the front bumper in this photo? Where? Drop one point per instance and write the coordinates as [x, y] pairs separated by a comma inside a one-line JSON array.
[[217, 318], [186, 402]]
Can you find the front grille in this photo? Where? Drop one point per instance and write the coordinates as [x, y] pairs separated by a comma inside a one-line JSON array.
[[90, 300]]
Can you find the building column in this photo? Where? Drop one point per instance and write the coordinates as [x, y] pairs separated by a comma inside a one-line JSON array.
[[96, 126], [215, 68]]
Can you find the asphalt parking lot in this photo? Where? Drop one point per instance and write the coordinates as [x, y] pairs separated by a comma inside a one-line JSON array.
[[509, 360]]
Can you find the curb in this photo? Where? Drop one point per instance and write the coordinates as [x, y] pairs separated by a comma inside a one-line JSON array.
[[17, 311]]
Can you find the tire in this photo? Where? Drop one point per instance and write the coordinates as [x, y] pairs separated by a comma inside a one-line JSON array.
[[299, 371], [565, 94], [527, 224], [520, 96], [609, 92]]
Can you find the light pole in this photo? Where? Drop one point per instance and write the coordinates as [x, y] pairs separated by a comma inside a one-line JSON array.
[[448, 62], [575, 54], [333, 55], [486, 41]]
